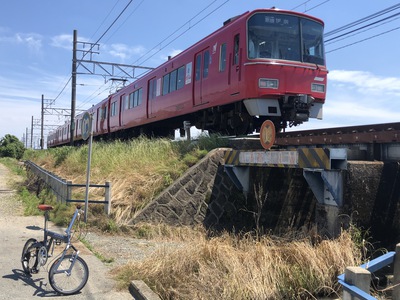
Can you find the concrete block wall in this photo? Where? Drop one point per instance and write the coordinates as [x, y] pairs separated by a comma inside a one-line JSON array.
[[186, 201]]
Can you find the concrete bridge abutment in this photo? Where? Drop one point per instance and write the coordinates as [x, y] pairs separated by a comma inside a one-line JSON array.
[[280, 199]]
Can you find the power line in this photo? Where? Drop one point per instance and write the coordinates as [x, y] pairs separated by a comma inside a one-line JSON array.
[[363, 40], [362, 31], [109, 27], [104, 33], [318, 5], [188, 22], [365, 26], [59, 94], [119, 27], [104, 20], [362, 20], [165, 39]]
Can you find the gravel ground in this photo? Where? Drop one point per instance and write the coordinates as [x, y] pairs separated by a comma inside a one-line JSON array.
[[123, 249]]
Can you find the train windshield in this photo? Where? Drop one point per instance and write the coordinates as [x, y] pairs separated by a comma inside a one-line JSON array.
[[280, 36]]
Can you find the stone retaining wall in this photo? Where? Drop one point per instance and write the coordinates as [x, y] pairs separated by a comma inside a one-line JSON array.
[[186, 201]]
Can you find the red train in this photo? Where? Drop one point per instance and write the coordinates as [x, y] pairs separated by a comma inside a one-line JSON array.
[[267, 64]]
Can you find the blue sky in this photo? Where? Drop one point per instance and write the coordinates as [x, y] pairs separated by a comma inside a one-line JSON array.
[[36, 52]]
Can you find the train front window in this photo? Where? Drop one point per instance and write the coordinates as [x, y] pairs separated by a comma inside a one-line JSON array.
[[280, 36], [312, 42]]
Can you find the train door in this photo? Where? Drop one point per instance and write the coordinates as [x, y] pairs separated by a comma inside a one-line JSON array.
[[121, 109], [98, 119], [235, 65], [201, 68], [154, 90]]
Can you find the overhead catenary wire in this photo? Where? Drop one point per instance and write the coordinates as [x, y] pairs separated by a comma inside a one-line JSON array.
[[162, 46], [104, 20], [362, 27], [362, 20], [309, 9], [337, 35], [359, 32], [363, 40], [109, 27], [159, 45], [98, 40]]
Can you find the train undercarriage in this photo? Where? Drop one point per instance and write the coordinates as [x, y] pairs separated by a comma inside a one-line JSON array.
[[240, 118]]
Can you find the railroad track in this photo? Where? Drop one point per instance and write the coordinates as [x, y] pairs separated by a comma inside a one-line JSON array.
[[366, 142], [365, 134]]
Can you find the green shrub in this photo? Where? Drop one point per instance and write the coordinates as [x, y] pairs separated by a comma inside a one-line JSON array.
[[10, 146]]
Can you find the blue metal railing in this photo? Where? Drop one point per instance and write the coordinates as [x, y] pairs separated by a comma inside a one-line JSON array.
[[372, 266]]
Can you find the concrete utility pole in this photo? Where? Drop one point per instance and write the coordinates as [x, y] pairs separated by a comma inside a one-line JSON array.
[[42, 125], [73, 88], [32, 134]]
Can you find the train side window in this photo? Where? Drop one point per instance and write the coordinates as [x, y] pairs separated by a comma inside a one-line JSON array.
[[236, 50], [222, 58], [126, 101], [140, 95], [172, 81], [113, 109], [198, 66], [181, 78], [152, 88], [165, 84], [206, 63], [104, 113], [131, 100], [135, 99]]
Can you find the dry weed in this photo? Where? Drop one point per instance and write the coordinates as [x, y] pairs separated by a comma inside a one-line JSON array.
[[229, 267]]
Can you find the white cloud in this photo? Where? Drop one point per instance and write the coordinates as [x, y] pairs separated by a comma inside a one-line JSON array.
[[358, 98], [366, 82], [124, 51], [175, 52], [62, 41], [32, 41]]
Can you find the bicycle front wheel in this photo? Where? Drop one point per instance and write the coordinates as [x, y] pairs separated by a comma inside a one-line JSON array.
[[29, 258], [66, 281]]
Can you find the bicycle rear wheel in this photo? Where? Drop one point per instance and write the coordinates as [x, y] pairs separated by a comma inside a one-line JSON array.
[[29, 258], [67, 283]]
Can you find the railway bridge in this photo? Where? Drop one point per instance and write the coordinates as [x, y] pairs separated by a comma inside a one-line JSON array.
[[325, 179]]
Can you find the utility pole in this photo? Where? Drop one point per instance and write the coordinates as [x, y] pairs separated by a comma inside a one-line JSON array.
[[42, 125], [26, 138], [73, 85], [32, 134]]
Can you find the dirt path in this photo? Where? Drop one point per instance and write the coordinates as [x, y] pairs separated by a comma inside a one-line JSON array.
[[15, 229]]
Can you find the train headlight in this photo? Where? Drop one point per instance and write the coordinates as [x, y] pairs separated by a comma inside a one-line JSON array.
[[319, 88], [268, 83]]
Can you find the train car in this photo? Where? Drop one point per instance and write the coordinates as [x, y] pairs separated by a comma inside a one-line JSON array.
[[267, 64]]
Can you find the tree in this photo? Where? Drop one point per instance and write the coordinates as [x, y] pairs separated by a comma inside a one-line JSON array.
[[11, 146]]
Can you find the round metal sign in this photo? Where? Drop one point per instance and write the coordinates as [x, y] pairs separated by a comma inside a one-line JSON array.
[[86, 126], [267, 134]]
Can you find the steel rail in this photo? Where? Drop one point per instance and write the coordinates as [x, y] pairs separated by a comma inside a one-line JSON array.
[[366, 134]]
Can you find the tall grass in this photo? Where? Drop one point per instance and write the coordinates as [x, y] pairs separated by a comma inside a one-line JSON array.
[[229, 267], [138, 169]]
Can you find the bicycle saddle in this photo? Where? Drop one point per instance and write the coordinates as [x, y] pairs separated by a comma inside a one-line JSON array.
[[45, 207]]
